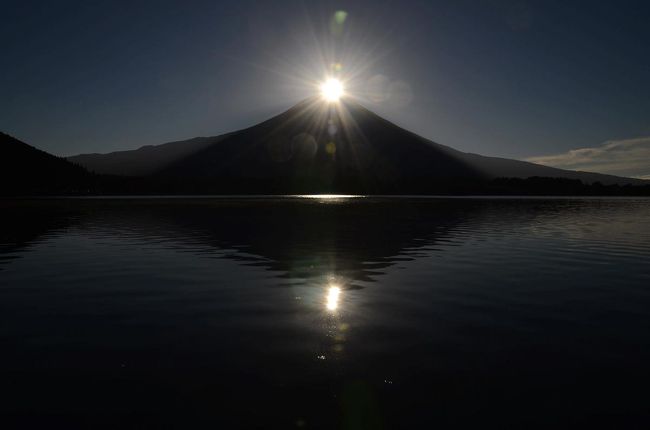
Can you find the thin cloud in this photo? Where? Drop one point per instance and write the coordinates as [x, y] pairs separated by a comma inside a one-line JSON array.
[[629, 157]]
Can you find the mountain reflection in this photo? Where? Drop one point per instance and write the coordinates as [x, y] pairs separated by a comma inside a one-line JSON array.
[[303, 240], [171, 308]]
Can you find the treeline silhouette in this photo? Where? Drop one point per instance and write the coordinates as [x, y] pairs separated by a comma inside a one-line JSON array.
[[562, 187], [535, 186], [25, 170]]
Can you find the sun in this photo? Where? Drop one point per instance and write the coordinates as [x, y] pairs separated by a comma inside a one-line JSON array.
[[332, 90]]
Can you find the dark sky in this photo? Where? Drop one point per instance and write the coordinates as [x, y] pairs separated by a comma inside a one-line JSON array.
[[506, 78]]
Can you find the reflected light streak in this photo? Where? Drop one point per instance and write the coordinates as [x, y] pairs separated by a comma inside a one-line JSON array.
[[329, 196], [333, 294]]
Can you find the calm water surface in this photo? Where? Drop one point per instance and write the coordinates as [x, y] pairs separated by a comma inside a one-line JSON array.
[[325, 313]]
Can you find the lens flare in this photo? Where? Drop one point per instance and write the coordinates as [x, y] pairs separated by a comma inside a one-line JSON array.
[[332, 90]]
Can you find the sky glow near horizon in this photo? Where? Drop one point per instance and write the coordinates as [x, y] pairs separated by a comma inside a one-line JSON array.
[[519, 79]]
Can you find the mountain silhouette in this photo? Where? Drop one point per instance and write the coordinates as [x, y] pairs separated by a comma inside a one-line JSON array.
[[27, 170], [316, 147], [313, 148]]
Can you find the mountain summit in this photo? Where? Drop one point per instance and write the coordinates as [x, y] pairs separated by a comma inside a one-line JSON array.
[[319, 147], [322, 147]]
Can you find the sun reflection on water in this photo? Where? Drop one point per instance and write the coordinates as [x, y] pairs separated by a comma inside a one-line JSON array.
[[329, 196], [333, 294]]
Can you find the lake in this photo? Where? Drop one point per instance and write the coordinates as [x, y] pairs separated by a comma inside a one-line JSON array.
[[327, 313]]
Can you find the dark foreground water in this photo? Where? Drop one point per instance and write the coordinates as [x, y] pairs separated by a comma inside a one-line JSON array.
[[325, 313]]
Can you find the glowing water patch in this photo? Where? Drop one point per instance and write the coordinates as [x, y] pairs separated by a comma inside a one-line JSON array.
[[329, 196], [333, 294]]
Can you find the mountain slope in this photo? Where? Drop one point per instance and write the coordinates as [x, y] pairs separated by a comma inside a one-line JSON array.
[[27, 170], [143, 161], [496, 167]]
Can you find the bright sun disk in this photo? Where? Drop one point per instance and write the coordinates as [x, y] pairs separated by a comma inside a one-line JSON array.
[[332, 90]]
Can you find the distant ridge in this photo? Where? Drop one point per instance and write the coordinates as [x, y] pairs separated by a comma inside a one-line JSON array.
[[145, 160]]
